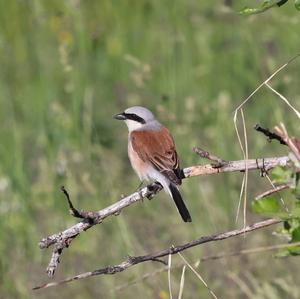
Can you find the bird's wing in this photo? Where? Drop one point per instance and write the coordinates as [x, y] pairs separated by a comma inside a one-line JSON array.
[[157, 147]]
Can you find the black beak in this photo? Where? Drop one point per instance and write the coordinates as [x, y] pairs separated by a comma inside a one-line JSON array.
[[120, 116]]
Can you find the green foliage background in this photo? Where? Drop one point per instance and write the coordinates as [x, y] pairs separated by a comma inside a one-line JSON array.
[[67, 67]]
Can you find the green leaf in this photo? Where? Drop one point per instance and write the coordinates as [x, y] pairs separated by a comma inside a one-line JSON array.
[[295, 210], [267, 4], [289, 251], [297, 4], [294, 250], [281, 174], [282, 253], [249, 11], [295, 223], [267, 205], [281, 2], [296, 235]]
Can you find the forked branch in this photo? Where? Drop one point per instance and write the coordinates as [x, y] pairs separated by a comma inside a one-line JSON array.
[[63, 239], [134, 260]]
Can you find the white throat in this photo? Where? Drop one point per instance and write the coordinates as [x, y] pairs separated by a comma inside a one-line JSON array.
[[133, 125], [136, 126]]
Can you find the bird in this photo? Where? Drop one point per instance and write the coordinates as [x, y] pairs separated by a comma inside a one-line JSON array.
[[152, 153]]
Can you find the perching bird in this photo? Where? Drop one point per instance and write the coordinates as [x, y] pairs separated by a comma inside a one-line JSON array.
[[152, 153]]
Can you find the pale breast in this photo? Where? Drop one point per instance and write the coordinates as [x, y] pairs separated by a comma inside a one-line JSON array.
[[139, 166]]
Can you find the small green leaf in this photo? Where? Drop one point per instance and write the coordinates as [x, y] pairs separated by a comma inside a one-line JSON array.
[[267, 4], [295, 223], [294, 250], [281, 2], [249, 11], [281, 175], [267, 205], [296, 235], [282, 253], [297, 4], [289, 251]]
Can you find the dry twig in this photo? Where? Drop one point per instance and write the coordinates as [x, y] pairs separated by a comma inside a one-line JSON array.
[[269, 134], [271, 191], [134, 260], [205, 154], [206, 258], [292, 142], [282, 136], [63, 239]]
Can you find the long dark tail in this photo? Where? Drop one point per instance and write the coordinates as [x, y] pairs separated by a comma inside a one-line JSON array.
[[182, 209]]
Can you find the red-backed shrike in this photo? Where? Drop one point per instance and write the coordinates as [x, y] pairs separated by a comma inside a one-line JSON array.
[[152, 153]]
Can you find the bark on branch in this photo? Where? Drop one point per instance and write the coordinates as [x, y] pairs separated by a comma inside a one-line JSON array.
[[134, 260], [63, 239]]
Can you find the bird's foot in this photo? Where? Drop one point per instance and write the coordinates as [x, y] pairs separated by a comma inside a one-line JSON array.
[[153, 189]]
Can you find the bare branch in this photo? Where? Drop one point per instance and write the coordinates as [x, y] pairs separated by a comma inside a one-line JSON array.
[[272, 191], [269, 134], [292, 143], [72, 210], [232, 166], [209, 258], [282, 136], [204, 154], [63, 239], [131, 261]]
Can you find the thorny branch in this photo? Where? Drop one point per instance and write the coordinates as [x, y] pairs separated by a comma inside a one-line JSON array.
[[134, 260], [62, 240]]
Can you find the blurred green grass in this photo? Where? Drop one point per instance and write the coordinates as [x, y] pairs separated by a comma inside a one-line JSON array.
[[67, 67]]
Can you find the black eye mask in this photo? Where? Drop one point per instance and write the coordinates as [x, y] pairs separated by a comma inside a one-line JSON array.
[[134, 117]]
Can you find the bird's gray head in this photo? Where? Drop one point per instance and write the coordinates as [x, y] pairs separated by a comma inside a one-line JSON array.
[[137, 118]]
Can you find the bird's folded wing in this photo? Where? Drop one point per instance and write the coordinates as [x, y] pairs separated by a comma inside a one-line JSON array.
[[157, 147]]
